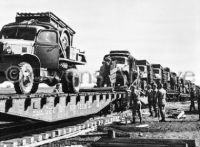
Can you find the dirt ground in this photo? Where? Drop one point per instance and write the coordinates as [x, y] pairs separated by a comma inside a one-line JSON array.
[[173, 128]]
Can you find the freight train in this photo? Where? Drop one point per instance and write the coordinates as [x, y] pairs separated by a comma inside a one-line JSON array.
[[37, 48], [120, 68]]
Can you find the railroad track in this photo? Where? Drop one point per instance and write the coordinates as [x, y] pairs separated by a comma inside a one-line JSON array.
[[39, 133]]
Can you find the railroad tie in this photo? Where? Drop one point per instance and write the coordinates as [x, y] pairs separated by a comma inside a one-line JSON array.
[[28, 140], [2, 145], [11, 143], [45, 136], [37, 137]]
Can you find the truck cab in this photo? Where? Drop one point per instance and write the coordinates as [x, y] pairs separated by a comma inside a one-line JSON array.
[[158, 73], [146, 72], [173, 81], [123, 68], [167, 78]]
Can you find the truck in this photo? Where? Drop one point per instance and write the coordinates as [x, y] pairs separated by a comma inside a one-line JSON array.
[[38, 48], [167, 78], [146, 72], [171, 80], [158, 73], [118, 69]]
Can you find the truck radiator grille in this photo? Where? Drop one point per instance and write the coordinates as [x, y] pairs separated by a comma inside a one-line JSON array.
[[1, 52]]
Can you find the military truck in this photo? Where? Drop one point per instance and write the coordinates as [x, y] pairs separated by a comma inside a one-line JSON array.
[[38, 48], [167, 78], [146, 72], [158, 73], [118, 69], [174, 81], [171, 80]]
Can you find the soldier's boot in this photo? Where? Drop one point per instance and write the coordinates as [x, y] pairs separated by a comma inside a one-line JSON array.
[[156, 113], [133, 122], [140, 120]]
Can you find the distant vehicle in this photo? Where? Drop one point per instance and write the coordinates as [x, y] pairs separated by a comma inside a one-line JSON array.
[[118, 69], [146, 72], [158, 73], [37, 48]]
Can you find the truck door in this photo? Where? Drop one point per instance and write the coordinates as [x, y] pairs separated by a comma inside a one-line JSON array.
[[47, 48]]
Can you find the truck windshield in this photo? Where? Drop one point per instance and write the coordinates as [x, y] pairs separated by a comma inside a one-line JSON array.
[[156, 71], [24, 33], [49, 37], [141, 68], [119, 60]]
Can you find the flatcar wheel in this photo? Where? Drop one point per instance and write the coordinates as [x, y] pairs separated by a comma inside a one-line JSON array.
[[70, 81]]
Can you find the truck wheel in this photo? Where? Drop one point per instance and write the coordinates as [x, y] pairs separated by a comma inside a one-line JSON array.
[[70, 81], [99, 81], [121, 80], [25, 83]]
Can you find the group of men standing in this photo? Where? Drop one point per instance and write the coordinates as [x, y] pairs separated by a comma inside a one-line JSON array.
[[156, 101]]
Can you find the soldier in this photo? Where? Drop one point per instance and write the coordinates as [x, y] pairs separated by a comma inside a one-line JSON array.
[[136, 107], [106, 73], [161, 101], [155, 99], [57, 88], [192, 96], [198, 99], [150, 99], [100, 76]]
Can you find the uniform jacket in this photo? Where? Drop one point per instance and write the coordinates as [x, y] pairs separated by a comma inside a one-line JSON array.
[[135, 97], [161, 96], [155, 96], [150, 95]]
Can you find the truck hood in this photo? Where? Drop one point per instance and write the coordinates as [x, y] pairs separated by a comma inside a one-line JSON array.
[[143, 74], [18, 46], [17, 42], [122, 67], [157, 76]]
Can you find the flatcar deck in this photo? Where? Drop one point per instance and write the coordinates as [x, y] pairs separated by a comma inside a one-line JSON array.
[[56, 106]]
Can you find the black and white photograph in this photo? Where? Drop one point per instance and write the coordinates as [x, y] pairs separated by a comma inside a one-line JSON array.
[[100, 73]]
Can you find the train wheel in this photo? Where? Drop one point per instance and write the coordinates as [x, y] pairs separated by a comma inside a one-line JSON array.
[[25, 83], [122, 80], [71, 81]]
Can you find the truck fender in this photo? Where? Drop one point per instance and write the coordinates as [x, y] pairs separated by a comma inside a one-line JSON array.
[[34, 61]]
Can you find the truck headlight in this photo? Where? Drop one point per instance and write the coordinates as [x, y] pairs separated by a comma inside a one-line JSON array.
[[8, 50]]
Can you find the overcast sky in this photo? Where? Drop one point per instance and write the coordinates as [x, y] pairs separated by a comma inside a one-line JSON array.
[[161, 31]]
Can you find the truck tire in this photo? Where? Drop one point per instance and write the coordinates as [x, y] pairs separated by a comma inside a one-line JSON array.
[[25, 83], [70, 81], [122, 80], [100, 81]]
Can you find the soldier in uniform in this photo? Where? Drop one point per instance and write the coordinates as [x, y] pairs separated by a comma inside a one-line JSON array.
[[192, 96], [136, 107], [150, 99], [161, 101], [155, 99], [106, 73], [57, 88], [198, 99]]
